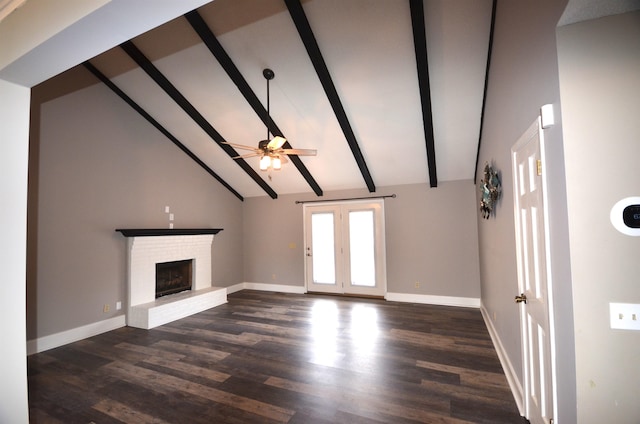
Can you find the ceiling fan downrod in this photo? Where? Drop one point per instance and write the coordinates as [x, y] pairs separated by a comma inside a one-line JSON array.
[[268, 75]]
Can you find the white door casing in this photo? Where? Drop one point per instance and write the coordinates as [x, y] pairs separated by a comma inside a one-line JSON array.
[[339, 236], [534, 276]]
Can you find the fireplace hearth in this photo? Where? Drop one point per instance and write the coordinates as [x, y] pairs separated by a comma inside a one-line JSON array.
[[173, 277]]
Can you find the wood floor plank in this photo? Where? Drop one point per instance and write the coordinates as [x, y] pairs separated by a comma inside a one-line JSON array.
[[167, 405], [438, 341], [125, 413], [189, 368], [191, 350], [469, 377], [150, 351], [153, 379], [281, 358], [464, 393], [348, 396]]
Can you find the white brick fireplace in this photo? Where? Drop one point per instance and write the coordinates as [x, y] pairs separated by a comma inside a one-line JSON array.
[[146, 248]]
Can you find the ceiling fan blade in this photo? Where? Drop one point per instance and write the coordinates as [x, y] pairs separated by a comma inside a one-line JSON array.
[[248, 155], [239, 146], [298, 152], [276, 143]]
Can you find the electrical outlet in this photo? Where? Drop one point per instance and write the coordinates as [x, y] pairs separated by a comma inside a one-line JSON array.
[[417, 284], [118, 305], [624, 316], [106, 308], [273, 276]]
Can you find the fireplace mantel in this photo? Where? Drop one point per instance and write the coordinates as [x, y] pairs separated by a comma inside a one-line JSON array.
[[150, 232]]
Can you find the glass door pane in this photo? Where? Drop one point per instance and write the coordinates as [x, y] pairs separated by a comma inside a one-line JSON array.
[[362, 248], [323, 248]]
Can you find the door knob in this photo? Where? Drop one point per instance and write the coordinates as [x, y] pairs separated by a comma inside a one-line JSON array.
[[521, 298]]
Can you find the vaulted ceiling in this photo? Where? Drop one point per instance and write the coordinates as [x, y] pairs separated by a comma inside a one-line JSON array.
[[387, 91]]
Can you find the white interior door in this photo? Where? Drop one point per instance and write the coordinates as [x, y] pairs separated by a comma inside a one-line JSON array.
[[344, 248], [533, 274]]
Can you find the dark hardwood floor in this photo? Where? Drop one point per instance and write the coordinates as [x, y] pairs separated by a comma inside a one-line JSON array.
[[273, 358]]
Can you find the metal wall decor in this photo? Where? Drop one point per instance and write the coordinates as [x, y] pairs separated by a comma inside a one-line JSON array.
[[490, 191]]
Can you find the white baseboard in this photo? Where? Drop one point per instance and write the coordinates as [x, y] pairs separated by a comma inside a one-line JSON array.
[[507, 367], [266, 287], [235, 288], [69, 336], [465, 302]]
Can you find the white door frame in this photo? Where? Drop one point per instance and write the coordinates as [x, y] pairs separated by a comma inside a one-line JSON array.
[[343, 261], [535, 132]]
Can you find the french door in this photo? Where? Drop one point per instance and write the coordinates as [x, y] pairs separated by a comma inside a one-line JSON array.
[[344, 248]]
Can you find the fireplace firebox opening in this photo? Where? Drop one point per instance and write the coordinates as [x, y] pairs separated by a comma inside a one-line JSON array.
[[173, 277]]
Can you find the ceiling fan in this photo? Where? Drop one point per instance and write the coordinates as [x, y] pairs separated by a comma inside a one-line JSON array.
[[271, 152]]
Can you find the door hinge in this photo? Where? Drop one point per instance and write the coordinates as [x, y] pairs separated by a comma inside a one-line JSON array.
[[539, 166]]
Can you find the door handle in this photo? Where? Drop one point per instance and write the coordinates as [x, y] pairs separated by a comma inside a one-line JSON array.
[[521, 298]]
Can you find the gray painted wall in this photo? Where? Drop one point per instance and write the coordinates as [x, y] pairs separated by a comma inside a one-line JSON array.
[[431, 237], [600, 90], [103, 167], [523, 77]]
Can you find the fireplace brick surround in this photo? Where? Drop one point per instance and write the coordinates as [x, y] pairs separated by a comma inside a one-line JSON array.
[[146, 248]]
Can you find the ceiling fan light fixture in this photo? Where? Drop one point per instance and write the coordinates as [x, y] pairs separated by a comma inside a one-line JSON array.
[[276, 163], [265, 161]]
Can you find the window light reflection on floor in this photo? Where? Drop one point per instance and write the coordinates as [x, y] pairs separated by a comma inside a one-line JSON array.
[[324, 331], [364, 328]]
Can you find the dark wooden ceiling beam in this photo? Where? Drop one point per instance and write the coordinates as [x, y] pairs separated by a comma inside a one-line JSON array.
[[486, 85], [422, 63], [210, 40], [309, 40], [158, 126], [197, 117]]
